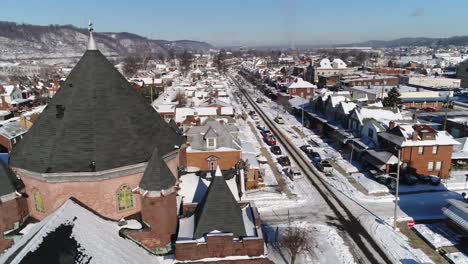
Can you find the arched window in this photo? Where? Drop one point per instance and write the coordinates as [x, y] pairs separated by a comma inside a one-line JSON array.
[[125, 198], [38, 201]]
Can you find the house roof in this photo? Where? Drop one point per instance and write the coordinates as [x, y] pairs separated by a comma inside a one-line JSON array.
[[457, 211], [73, 234], [157, 175], [95, 122], [219, 210], [402, 135], [300, 83], [11, 128], [213, 129]]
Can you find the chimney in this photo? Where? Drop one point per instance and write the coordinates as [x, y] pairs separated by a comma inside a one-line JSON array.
[[415, 135], [391, 124]]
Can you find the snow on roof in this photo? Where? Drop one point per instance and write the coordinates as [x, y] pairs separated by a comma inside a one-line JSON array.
[[182, 113], [193, 188], [348, 106], [206, 111], [11, 128], [442, 138], [338, 64], [164, 108], [8, 88], [98, 239], [229, 110], [381, 115], [300, 83], [325, 64], [336, 99]]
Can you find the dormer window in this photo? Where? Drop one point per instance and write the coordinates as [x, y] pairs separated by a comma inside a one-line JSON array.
[[211, 143]]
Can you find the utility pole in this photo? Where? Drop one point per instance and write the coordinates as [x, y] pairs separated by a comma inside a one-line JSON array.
[[151, 88], [446, 110], [395, 212]]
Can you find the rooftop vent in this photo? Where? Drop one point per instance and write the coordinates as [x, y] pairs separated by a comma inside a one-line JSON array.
[[60, 111]]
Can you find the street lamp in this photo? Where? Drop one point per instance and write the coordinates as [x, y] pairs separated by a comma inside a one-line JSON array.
[[395, 212]]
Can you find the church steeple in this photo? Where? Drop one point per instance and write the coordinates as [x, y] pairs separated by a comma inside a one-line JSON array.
[[91, 44]]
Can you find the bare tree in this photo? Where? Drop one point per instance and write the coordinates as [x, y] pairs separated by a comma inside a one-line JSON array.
[[186, 61], [181, 99], [131, 65], [295, 240]]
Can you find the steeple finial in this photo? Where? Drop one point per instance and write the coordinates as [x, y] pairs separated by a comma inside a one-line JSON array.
[[91, 43]]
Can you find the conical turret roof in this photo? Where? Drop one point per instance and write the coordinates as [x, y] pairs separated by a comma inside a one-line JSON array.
[[95, 122], [219, 210]]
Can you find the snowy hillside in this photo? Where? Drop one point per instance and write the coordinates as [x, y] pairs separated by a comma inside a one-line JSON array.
[[20, 41]]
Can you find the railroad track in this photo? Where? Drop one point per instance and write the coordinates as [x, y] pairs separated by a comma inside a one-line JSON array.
[[368, 250]]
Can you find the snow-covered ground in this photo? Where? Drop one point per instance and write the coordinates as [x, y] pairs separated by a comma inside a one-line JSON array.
[[438, 234], [326, 245]]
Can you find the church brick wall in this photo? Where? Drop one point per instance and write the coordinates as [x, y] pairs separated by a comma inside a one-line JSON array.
[[100, 196]]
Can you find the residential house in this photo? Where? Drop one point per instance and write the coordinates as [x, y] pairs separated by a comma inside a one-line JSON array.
[[342, 112], [382, 115], [301, 88], [11, 133], [331, 105], [327, 67], [424, 150], [213, 144], [457, 126]]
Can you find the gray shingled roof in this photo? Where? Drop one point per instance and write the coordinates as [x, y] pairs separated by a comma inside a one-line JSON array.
[[9, 183], [225, 135], [219, 211], [157, 175], [95, 118]]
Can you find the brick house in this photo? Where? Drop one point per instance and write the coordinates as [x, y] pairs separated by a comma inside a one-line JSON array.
[[424, 151], [220, 227], [372, 81], [13, 206], [301, 88], [213, 144]]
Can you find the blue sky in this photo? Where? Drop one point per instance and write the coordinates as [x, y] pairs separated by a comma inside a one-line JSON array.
[[252, 22]]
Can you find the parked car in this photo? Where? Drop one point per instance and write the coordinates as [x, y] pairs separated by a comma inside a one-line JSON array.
[[434, 180], [284, 161], [279, 120], [293, 173], [409, 179], [252, 112], [307, 149], [424, 179], [270, 140], [324, 166], [255, 117], [384, 179], [266, 133], [261, 127], [315, 156], [276, 150], [259, 100], [429, 109]]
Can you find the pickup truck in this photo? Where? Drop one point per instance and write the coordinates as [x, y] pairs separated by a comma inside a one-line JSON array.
[[293, 173]]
